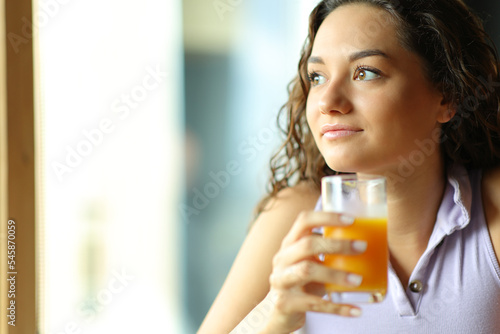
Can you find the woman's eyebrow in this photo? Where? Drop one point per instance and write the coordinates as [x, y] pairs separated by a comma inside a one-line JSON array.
[[367, 53], [353, 57], [315, 60]]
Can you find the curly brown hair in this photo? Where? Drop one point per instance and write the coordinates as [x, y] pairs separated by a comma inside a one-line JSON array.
[[458, 57]]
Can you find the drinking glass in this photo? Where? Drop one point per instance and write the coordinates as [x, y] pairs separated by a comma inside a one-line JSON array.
[[363, 198]]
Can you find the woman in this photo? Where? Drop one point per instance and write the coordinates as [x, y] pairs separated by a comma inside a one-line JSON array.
[[405, 89]]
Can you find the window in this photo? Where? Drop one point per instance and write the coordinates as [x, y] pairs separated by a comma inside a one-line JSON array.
[[99, 141]]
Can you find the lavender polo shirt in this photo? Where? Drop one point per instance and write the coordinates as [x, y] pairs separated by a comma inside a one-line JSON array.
[[455, 286]]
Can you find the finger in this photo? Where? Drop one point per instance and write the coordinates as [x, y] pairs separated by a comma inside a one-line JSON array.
[[307, 220], [311, 245], [304, 272], [317, 289], [300, 303]]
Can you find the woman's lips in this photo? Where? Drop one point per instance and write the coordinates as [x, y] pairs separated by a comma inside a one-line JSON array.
[[334, 131]]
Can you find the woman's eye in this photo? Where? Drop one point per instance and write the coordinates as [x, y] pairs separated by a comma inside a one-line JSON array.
[[363, 74], [316, 79]]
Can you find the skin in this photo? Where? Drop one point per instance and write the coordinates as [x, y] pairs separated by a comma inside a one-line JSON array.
[[491, 204], [276, 265]]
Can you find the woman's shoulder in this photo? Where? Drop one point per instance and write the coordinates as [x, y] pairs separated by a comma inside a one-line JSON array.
[[491, 204], [274, 222], [491, 186], [303, 191], [300, 197], [282, 209]]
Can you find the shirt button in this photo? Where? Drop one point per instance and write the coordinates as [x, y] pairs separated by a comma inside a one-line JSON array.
[[416, 286]]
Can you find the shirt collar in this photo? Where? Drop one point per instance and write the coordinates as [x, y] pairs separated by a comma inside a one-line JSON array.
[[455, 210]]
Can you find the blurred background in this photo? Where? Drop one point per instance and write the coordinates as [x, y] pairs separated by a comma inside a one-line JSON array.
[[158, 122], [157, 125]]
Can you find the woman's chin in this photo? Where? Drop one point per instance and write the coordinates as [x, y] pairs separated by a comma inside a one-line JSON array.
[[354, 167], [342, 167]]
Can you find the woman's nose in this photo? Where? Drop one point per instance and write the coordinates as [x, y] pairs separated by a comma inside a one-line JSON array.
[[335, 98]]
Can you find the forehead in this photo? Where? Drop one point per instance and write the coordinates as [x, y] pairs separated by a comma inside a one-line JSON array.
[[354, 27]]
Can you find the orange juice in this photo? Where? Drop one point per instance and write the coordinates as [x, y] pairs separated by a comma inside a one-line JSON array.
[[372, 264]]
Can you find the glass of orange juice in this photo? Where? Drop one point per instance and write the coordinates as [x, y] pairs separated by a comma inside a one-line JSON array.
[[363, 198]]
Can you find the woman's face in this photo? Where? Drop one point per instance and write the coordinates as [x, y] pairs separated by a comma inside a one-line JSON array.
[[370, 105]]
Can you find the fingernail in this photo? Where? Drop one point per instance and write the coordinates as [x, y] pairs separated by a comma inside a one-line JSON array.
[[354, 279], [355, 312], [346, 220], [359, 245]]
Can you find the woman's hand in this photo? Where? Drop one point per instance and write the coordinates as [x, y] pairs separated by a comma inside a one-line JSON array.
[[298, 276]]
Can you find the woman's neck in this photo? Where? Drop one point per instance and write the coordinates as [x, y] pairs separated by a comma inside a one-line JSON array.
[[413, 202]]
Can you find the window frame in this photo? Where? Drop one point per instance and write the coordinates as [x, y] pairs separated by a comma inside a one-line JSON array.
[[18, 161]]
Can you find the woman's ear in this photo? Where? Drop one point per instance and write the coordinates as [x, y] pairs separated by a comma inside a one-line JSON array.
[[447, 115], [446, 112]]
